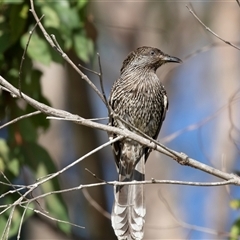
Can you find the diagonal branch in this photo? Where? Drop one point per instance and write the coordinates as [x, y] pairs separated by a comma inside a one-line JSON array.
[[209, 30], [181, 158], [21, 117]]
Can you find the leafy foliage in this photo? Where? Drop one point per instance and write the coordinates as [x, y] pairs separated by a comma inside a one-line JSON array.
[[19, 142]]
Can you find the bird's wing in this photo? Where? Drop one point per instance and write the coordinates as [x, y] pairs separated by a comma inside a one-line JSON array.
[[164, 110]]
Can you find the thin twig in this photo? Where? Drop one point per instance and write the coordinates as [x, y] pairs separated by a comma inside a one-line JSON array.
[[146, 182], [57, 44], [88, 69], [209, 30], [20, 118], [23, 56], [21, 221], [95, 176], [101, 84], [52, 218], [204, 49], [6, 230], [95, 204], [98, 119], [16, 190], [193, 126], [90, 119]]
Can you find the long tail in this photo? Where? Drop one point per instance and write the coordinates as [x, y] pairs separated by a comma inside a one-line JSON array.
[[129, 207]]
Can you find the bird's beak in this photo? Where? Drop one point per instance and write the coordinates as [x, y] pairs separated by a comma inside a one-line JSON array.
[[167, 58]]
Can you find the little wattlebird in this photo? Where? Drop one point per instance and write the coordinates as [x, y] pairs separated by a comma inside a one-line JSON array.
[[138, 98]]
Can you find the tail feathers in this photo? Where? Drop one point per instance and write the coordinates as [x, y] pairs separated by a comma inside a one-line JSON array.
[[128, 219], [129, 207]]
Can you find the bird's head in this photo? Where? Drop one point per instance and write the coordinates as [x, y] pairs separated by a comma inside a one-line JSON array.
[[147, 58]]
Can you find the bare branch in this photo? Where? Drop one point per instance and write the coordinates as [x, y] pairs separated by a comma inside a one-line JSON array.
[[179, 157], [146, 182], [154, 181], [21, 117], [52, 218], [209, 30]]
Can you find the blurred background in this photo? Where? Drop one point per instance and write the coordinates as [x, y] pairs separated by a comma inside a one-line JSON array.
[[202, 120]]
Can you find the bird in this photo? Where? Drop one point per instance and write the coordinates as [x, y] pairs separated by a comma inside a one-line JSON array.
[[139, 100]]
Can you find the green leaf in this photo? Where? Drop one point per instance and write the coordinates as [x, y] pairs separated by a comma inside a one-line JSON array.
[[2, 164], [55, 204], [6, 163], [32, 84], [69, 16], [84, 47], [18, 17], [39, 121], [51, 18], [14, 167], [27, 130], [13, 72], [38, 49], [5, 43], [13, 1], [34, 155], [82, 3], [235, 204], [235, 230], [10, 166], [4, 151]]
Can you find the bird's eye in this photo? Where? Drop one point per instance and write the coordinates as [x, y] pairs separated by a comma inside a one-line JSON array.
[[152, 53]]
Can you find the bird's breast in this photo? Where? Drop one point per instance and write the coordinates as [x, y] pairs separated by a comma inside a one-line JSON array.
[[143, 108]]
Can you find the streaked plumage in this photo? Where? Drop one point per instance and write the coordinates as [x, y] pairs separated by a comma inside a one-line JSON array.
[[139, 98]]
